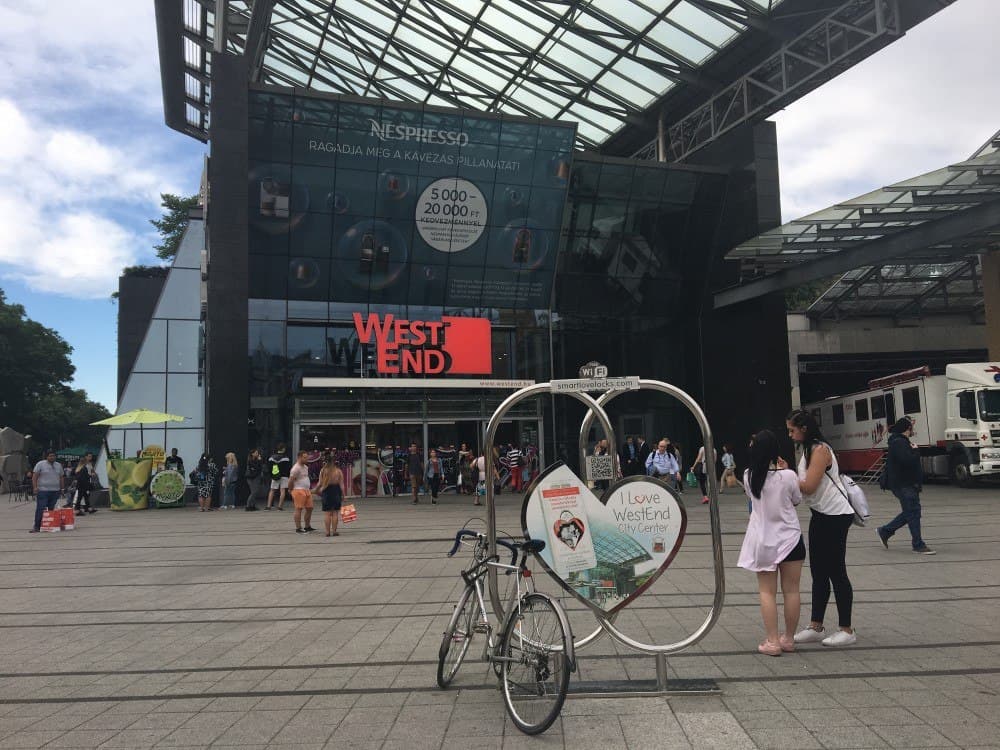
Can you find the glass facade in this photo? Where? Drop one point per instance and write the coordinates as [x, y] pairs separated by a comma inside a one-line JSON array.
[[360, 208]]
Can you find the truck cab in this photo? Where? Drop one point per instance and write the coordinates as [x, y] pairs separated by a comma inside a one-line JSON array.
[[972, 430]]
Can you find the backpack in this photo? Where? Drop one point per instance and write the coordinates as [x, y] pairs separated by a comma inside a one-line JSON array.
[[275, 470]]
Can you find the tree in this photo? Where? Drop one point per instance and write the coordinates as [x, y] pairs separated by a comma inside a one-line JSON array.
[[34, 368], [173, 223]]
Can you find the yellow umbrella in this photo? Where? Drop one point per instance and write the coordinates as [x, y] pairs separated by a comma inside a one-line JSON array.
[[139, 417]]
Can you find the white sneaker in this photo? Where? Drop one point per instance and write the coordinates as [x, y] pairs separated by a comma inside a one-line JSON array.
[[841, 638], [808, 635]]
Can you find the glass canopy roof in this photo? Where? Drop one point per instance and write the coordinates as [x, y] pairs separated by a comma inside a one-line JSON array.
[[598, 62], [931, 277]]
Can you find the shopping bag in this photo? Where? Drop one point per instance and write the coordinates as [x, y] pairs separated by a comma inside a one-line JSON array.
[[349, 514], [691, 479], [67, 518], [730, 481], [51, 521]]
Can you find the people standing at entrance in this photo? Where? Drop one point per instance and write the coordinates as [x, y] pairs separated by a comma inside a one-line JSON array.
[[255, 478], [601, 449], [434, 475], [279, 465], [515, 461], [699, 469], [642, 449], [84, 474], [904, 478], [48, 482], [230, 476], [415, 468], [298, 483], [174, 462], [465, 460], [204, 480], [772, 545], [629, 458], [728, 468], [662, 464], [831, 519], [331, 491]]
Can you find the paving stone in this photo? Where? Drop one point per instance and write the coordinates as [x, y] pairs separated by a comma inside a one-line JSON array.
[[838, 738]]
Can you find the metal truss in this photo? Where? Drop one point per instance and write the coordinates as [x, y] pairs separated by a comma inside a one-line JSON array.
[[904, 291], [853, 31]]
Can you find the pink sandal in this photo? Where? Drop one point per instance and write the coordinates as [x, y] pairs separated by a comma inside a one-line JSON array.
[[787, 643], [769, 649]]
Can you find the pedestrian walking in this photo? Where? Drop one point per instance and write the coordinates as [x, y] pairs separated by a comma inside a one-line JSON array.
[[255, 478], [85, 475], [831, 518], [773, 546], [728, 468], [700, 470], [48, 483], [465, 460], [331, 491], [481, 478], [515, 460], [661, 463], [279, 465], [903, 477], [415, 468], [300, 487], [434, 475], [204, 479], [629, 458], [230, 477]]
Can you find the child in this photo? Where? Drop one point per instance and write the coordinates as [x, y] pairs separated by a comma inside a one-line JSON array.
[[773, 543]]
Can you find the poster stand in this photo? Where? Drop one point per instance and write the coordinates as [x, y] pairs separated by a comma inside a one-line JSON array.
[[610, 388]]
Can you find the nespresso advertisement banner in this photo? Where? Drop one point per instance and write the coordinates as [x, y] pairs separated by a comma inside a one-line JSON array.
[[356, 201]]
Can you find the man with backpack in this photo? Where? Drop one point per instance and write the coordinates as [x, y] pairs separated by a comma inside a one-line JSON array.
[[279, 465], [903, 477]]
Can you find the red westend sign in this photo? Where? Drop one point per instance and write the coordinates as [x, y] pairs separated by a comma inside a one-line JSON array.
[[457, 346]]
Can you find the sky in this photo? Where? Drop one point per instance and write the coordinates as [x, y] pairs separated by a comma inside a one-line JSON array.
[[84, 152]]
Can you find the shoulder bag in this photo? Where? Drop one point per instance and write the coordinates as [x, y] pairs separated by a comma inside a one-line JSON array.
[[855, 496]]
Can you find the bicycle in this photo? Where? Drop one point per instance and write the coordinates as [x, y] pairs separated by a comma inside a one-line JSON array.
[[533, 656]]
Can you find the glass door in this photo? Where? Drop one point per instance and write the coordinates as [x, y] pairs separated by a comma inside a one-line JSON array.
[[387, 444], [342, 442]]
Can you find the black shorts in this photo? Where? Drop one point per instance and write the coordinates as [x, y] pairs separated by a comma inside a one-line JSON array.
[[333, 498], [798, 553]]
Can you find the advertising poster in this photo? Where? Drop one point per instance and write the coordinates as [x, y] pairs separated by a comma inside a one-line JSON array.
[[605, 550], [360, 201]]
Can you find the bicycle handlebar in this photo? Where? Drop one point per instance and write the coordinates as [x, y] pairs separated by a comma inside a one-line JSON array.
[[465, 533]]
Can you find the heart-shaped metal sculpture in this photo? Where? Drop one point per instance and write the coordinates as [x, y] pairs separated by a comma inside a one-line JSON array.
[[604, 550]]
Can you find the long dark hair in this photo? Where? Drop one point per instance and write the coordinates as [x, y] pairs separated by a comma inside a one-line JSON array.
[[763, 453], [806, 421]]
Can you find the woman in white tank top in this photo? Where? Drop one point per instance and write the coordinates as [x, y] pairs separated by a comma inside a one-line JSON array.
[[831, 519]]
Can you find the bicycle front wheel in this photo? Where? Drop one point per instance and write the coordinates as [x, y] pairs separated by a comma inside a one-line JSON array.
[[457, 637], [535, 667]]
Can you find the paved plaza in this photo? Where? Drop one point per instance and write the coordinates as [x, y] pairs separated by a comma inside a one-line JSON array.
[[177, 629]]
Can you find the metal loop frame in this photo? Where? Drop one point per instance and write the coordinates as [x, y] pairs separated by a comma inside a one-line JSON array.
[[596, 410], [713, 513]]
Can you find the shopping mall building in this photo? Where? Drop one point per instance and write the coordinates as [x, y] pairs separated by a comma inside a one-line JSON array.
[[407, 215]]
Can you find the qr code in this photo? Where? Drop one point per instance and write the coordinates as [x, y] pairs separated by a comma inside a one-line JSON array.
[[600, 467]]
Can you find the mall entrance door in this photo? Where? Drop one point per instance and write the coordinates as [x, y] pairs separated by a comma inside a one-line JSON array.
[[343, 443], [386, 446]]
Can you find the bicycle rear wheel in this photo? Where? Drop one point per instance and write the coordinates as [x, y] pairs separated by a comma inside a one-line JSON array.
[[535, 673], [457, 637]]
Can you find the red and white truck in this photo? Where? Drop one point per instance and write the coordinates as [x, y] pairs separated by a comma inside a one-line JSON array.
[[956, 419]]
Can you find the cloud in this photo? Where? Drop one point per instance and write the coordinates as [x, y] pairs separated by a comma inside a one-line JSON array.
[[73, 208], [925, 101]]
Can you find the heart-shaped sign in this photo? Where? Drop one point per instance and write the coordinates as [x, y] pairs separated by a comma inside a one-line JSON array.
[[608, 550]]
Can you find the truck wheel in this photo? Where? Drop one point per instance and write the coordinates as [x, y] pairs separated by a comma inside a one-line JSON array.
[[960, 473]]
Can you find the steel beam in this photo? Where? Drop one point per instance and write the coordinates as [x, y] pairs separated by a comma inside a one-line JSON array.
[[954, 228]]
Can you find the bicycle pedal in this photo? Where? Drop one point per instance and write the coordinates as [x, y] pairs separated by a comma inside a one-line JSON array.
[[481, 627]]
